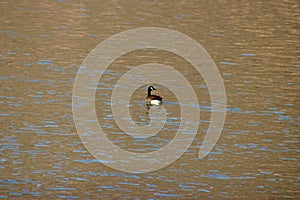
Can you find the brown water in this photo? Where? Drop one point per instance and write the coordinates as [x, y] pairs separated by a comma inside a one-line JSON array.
[[255, 45]]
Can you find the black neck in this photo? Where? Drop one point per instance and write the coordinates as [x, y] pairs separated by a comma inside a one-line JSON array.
[[149, 91]]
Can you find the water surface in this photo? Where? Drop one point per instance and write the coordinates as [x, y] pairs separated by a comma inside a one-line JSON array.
[[255, 46]]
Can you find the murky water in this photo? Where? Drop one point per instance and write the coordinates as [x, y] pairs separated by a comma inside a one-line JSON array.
[[255, 46]]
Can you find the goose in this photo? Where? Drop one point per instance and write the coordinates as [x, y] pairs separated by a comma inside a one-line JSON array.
[[153, 99]]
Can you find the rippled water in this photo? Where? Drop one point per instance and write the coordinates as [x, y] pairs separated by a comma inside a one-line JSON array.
[[255, 46]]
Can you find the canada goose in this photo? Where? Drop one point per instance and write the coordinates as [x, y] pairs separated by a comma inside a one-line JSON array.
[[153, 99]]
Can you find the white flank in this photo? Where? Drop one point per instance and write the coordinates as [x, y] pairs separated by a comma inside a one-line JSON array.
[[155, 102]]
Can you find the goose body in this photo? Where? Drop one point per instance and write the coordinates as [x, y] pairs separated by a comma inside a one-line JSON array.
[[153, 99]]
